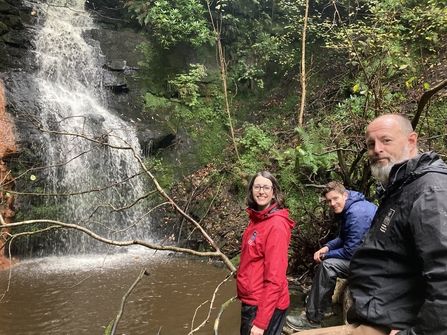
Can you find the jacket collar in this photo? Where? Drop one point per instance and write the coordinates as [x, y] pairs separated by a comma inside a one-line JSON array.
[[257, 216], [409, 170]]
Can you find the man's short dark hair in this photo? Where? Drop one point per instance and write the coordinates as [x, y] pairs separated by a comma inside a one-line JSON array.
[[333, 186]]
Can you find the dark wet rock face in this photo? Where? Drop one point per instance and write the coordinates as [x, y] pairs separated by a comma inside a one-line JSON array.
[[120, 56], [123, 94]]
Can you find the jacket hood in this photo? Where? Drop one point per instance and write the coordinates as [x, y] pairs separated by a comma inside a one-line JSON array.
[[423, 163], [409, 170], [273, 210], [353, 196]]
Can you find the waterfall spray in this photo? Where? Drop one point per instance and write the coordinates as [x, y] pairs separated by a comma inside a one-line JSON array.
[[84, 144]]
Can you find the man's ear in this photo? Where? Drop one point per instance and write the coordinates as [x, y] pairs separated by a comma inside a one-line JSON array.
[[412, 141]]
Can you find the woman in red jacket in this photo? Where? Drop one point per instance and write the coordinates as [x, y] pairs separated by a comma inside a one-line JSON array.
[[261, 277]]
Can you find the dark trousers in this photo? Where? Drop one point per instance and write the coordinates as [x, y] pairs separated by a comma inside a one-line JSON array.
[[320, 296], [352, 329], [248, 314]]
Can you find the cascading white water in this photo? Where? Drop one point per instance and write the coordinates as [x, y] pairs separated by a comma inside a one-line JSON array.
[[69, 78]]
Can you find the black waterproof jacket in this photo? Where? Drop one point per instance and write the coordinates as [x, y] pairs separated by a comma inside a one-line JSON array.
[[398, 274]]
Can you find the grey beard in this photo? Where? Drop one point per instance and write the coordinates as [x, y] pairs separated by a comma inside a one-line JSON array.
[[381, 173]]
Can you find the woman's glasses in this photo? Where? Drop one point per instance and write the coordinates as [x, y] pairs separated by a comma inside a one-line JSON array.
[[266, 188]]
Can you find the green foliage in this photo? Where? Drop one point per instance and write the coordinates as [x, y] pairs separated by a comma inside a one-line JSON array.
[[313, 154], [211, 141], [187, 85], [252, 62], [236, 260], [255, 148], [354, 106], [310, 158], [202, 125], [432, 128], [163, 111], [154, 69], [416, 23], [279, 112], [155, 103], [163, 172], [173, 21], [301, 200], [389, 44], [201, 114], [375, 52], [290, 40], [38, 209], [247, 31]]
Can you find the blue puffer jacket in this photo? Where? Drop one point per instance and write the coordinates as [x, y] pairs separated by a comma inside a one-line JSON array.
[[355, 219]]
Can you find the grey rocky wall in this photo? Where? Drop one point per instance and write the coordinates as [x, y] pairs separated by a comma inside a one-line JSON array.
[[118, 39]]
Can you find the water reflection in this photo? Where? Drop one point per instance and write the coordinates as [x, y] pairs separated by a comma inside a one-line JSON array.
[[81, 295]]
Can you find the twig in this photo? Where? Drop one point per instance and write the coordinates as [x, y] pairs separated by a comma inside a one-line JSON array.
[[211, 305], [303, 66], [123, 301], [222, 309]]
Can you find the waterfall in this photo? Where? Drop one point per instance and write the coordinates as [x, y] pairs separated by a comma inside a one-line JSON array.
[[73, 110]]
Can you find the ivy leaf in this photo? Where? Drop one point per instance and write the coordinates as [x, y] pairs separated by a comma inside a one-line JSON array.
[[409, 82]]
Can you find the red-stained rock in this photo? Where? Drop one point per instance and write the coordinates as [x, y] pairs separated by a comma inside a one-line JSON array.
[[6, 263], [7, 199]]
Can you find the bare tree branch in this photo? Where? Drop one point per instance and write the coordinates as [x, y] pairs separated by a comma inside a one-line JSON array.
[[175, 206], [222, 309], [424, 100], [211, 306], [59, 224], [123, 301], [223, 71], [303, 66]]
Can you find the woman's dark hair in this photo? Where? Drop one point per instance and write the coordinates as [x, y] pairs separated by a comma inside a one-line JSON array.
[[278, 198]]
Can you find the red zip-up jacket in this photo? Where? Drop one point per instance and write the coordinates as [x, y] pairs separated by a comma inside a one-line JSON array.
[[261, 277]]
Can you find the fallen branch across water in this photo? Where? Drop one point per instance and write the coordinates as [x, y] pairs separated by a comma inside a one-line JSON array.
[[123, 301], [211, 306], [222, 309]]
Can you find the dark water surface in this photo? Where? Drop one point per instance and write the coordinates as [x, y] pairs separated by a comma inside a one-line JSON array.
[[82, 294]]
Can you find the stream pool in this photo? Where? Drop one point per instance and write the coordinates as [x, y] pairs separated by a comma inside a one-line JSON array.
[[83, 294]]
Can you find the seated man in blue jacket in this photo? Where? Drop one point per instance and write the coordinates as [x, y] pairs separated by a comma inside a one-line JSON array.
[[355, 215]]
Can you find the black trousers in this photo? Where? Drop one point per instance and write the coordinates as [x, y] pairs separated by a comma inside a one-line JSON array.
[[248, 314], [320, 296]]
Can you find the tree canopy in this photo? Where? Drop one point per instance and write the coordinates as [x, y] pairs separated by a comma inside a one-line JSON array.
[[357, 60], [362, 59], [257, 65]]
